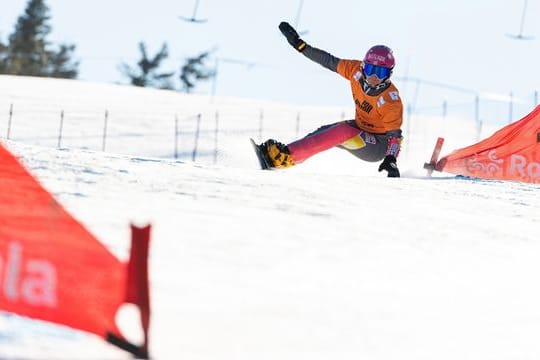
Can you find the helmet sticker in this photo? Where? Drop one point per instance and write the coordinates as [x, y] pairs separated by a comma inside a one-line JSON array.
[[380, 55]]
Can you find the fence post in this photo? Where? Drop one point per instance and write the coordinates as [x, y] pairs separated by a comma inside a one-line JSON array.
[[409, 114], [216, 132], [510, 107], [9, 120], [477, 109], [406, 150], [298, 124], [105, 130], [176, 136], [444, 109], [261, 118], [61, 129], [477, 116], [197, 130]]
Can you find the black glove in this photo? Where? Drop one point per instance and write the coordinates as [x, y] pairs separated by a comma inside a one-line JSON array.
[[292, 36], [389, 164]]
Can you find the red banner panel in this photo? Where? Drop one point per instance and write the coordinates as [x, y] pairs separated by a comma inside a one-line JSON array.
[[512, 153], [51, 267]]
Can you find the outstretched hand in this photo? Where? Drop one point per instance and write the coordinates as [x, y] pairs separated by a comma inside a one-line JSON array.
[[292, 36], [389, 164]]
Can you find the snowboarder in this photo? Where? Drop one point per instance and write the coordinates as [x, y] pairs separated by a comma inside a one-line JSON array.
[[375, 132]]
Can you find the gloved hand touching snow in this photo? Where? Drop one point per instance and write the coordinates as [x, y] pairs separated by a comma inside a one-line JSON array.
[[389, 164]]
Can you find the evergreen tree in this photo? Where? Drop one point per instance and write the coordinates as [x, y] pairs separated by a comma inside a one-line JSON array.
[[61, 65], [3, 56], [194, 70], [146, 74], [27, 54], [28, 50]]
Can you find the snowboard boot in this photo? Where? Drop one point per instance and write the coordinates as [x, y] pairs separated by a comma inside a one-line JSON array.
[[277, 154]]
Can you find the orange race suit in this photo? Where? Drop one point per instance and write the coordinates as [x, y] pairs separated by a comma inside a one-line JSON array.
[[376, 129]]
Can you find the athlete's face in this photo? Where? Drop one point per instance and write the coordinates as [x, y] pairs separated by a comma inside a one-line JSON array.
[[373, 80]]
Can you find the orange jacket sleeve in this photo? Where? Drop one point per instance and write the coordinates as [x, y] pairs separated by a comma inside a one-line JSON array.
[[348, 68]]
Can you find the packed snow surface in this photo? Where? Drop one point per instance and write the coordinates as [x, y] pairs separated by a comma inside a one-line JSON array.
[[327, 260]]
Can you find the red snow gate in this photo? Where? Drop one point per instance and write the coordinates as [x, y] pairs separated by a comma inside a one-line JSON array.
[[512, 153], [53, 269]]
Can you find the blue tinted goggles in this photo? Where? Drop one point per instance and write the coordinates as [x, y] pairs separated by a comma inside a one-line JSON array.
[[379, 71]]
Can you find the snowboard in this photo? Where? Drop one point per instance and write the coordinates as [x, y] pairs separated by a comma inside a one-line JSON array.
[[262, 161]]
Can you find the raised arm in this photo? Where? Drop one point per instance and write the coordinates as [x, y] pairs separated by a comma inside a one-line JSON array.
[[321, 57]]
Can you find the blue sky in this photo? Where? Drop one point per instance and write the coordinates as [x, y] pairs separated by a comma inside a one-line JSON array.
[[460, 43]]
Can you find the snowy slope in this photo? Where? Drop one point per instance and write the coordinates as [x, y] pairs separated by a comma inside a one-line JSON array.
[[328, 260]]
